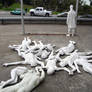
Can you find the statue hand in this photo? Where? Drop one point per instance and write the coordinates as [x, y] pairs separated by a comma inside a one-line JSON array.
[[5, 64]]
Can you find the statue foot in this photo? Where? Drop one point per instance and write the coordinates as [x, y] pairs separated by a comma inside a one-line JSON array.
[[71, 73], [68, 35]]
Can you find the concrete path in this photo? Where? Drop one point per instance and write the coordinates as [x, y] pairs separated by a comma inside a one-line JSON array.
[[60, 81]]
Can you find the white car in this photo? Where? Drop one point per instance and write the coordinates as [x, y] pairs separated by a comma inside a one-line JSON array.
[[40, 11]]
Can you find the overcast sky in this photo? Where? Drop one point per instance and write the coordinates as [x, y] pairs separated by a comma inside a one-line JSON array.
[[87, 1]]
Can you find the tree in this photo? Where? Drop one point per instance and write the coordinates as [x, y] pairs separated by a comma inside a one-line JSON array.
[[90, 2], [6, 3]]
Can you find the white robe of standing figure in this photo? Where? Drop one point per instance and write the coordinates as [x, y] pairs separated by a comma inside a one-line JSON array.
[[71, 21]]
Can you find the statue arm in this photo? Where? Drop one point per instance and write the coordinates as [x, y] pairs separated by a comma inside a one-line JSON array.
[[14, 63], [42, 76], [67, 21], [77, 68]]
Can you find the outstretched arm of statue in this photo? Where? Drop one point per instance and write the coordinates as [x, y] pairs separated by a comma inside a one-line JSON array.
[[14, 63]]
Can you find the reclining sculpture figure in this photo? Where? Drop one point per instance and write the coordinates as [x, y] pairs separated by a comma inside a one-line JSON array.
[[15, 73], [30, 80], [29, 58], [67, 49], [24, 46], [51, 66], [41, 50], [84, 63], [69, 60], [37, 48]]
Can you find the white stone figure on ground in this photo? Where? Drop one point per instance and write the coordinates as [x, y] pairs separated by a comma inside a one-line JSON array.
[[71, 21], [67, 49], [69, 60], [30, 80], [24, 46], [84, 63], [15, 73], [28, 59], [51, 64]]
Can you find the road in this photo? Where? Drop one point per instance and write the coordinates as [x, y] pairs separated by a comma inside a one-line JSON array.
[[7, 14], [60, 81]]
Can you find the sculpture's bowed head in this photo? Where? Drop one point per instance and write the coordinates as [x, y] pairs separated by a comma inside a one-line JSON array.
[[71, 7], [50, 71]]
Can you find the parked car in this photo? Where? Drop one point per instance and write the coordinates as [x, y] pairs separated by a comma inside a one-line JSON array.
[[40, 11], [64, 14], [85, 16], [17, 12]]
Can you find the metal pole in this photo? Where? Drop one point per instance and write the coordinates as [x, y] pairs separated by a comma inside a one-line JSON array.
[[77, 3], [22, 17]]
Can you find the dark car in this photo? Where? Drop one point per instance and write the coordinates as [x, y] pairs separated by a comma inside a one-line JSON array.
[[64, 14], [17, 12], [85, 16]]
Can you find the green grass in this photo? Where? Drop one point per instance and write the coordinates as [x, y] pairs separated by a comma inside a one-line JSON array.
[[16, 5], [54, 12]]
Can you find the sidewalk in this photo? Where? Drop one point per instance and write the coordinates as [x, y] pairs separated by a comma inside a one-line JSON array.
[[61, 81]]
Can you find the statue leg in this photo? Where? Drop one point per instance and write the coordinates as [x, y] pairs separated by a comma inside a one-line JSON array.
[[67, 70], [73, 31], [88, 69], [89, 61], [84, 53], [86, 57], [72, 66], [69, 32]]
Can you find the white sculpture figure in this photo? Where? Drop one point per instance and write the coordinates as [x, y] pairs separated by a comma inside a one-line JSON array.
[[15, 73], [84, 55], [24, 46], [67, 49], [71, 21], [29, 59], [51, 66], [39, 47], [84, 63], [41, 50], [30, 80], [69, 60]]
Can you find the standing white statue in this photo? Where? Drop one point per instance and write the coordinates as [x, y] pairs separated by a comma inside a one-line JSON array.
[[71, 21]]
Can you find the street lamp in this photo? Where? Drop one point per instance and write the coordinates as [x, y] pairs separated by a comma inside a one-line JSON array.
[[22, 17]]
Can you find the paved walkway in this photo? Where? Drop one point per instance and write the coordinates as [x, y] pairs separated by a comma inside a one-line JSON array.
[[61, 81]]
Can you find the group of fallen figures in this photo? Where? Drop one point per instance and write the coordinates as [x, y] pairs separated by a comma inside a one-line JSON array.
[[43, 58]]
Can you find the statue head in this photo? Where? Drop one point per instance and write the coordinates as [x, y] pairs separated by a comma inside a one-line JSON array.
[[71, 7], [50, 70]]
